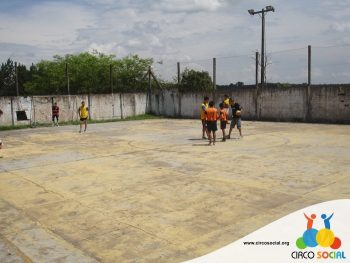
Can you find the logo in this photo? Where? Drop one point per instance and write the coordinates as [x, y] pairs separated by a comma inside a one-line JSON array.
[[313, 238], [323, 237]]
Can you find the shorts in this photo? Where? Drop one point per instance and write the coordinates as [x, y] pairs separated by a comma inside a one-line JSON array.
[[223, 125], [234, 122], [83, 119], [204, 124], [55, 116], [212, 126]]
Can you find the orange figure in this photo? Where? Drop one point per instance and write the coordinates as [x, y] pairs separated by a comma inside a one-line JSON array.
[[310, 221]]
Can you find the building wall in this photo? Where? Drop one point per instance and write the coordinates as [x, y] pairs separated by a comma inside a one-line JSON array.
[[102, 106], [319, 103], [283, 104], [330, 104]]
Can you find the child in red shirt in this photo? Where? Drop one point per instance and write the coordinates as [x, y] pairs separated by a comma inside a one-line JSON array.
[[223, 120]]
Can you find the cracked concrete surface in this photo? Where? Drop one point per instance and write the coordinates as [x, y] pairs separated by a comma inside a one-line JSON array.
[[151, 191]]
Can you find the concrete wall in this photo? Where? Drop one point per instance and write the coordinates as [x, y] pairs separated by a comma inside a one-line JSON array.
[[326, 104], [330, 104], [103, 106], [283, 103], [7, 105]]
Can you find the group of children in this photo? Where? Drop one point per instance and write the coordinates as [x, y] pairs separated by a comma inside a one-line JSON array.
[[210, 115]]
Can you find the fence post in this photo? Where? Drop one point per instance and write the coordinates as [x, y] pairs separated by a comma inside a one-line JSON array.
[[121, 105], [67, 76], [16, 78], [214, 73], [308, 88], [257, 91], [149, 88], [309, 65], [12, 113], [68, 88], [111, 78], [89, 105]]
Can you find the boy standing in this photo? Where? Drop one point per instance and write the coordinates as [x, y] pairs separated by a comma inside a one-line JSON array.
[[55, 114], [223, 120], [236, 117], [203, 109], [226, 103], [83, 114], [212, 116]]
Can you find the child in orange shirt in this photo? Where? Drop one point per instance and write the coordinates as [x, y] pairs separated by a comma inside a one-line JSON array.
[[212, 116], [223, 120]]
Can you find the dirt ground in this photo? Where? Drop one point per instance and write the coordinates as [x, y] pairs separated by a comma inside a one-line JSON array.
[[152, 191]]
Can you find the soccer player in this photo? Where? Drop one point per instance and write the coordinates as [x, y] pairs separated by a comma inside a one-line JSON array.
[[212, 117], [236, 117], [223, 120], [55, 114], [203, 109], [226, 103], [83, 114]]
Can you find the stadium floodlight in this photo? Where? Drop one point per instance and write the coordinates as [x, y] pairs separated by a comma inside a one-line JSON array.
[[268, 8]]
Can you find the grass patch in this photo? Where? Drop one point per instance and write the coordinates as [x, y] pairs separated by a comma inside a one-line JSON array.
[[65, 123]]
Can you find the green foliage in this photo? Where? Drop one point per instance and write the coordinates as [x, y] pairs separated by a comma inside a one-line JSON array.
[[88, 73], [193, 80], [8, 78]]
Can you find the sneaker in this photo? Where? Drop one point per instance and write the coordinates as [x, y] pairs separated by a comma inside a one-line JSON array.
[[223, 140]]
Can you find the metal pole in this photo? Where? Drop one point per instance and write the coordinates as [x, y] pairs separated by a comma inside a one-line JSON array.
[[263, 49], [256, 69], [308, 88], [12, 113], [67, 76], [178, 73], [149, 80], [214, 73], [110, 77], [309, 66], [16, 78]]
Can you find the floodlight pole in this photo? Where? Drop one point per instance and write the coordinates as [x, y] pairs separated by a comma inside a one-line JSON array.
[[262, 12], [262, 49]]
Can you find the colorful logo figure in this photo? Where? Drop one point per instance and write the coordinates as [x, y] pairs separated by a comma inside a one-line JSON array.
[[313, 237]]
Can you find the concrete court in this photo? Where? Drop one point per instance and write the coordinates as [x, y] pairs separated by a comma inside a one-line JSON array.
[[151, 191]]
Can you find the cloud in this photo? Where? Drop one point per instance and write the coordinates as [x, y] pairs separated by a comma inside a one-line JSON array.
[[340, 26], [47, 25], [188, 5], [170, 30]]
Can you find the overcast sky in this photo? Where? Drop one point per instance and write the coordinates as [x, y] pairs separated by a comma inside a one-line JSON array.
[[190, 31]]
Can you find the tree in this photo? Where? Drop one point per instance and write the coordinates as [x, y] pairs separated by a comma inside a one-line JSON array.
[[193, 80], [88, 73], [7, 79]]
